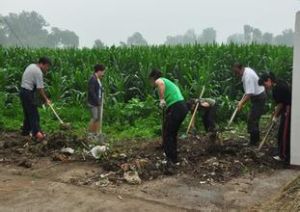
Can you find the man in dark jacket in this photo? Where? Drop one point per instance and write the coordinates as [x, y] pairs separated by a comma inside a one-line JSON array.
[[95, 98]]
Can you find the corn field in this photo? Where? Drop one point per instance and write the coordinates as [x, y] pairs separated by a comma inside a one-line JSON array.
[[128, 93]]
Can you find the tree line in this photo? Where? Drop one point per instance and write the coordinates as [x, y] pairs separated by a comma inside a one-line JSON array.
[[30, 29]]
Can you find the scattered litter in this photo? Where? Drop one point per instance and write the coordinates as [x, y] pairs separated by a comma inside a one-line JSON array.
[[199, 159], [141, 163], [132, 177], [125, 167], [122, 155], [103, 182], [60, 157], [67, 150], [98, 151], [164, 162]]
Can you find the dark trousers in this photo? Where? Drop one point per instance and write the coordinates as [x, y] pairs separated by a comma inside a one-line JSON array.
[[284, 134], [209, 119], [257, 110], [175, 115], [31, 121]]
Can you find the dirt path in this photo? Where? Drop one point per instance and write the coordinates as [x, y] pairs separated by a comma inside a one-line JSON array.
[[21, 191], [49, 186]]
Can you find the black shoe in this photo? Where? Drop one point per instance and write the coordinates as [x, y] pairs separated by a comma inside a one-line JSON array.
[[254, 138], [212, 136], [170, 168], [24, 133]]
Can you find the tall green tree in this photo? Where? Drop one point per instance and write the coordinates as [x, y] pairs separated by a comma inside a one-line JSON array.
[[209, 35], [29, 29], [257, 36], [25, 29], [136, 39], [236, 38], [248, 33], [267, 38], [286, 38], [98, 44], [63, 38]]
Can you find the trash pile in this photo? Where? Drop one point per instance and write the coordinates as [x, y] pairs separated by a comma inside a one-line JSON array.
[[59, 146], [134, 161]]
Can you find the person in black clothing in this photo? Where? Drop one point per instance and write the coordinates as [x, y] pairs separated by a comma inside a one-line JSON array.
[[208, 108], [282, 96]]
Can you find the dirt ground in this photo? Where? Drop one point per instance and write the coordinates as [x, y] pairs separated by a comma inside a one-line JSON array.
[[210, 177]]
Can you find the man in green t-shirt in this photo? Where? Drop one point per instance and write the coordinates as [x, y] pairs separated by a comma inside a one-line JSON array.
[[172, 100]]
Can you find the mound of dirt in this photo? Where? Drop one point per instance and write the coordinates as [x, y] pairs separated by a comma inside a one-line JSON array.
[[199, 158], [287, 200], [16, 148]]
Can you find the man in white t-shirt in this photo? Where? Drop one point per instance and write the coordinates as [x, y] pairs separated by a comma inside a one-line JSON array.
[[256, 94]]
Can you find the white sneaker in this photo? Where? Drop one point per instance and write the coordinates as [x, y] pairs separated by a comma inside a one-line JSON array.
[[277, 158]]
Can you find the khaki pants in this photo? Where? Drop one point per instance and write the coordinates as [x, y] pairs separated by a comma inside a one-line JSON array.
[[95, 113]]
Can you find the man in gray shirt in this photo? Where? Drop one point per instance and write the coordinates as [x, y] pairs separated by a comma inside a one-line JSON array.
[[32, 81]]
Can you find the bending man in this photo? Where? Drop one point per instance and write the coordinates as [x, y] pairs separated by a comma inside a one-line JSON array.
[[176, 110], [282, 96], [32, 81], [257, 95]]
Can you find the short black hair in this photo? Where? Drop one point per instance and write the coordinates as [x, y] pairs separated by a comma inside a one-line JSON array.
[[99, 67], [265, 77], [155, 74], [45, 60], [238, 66]]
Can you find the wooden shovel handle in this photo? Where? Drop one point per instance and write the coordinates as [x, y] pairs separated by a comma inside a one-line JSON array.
[[234, 113], [57, 116], [195, 111], [266, 136]]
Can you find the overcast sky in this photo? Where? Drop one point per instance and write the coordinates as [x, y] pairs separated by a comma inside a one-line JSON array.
[[114, 20]]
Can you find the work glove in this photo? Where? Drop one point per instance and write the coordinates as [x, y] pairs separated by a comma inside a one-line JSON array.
[[162, 103], [205, 104]]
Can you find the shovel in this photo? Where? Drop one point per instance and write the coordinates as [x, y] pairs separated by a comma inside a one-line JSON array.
[[63, 126], [195, 111], [266, 136], [101, 137], [233, 115]]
